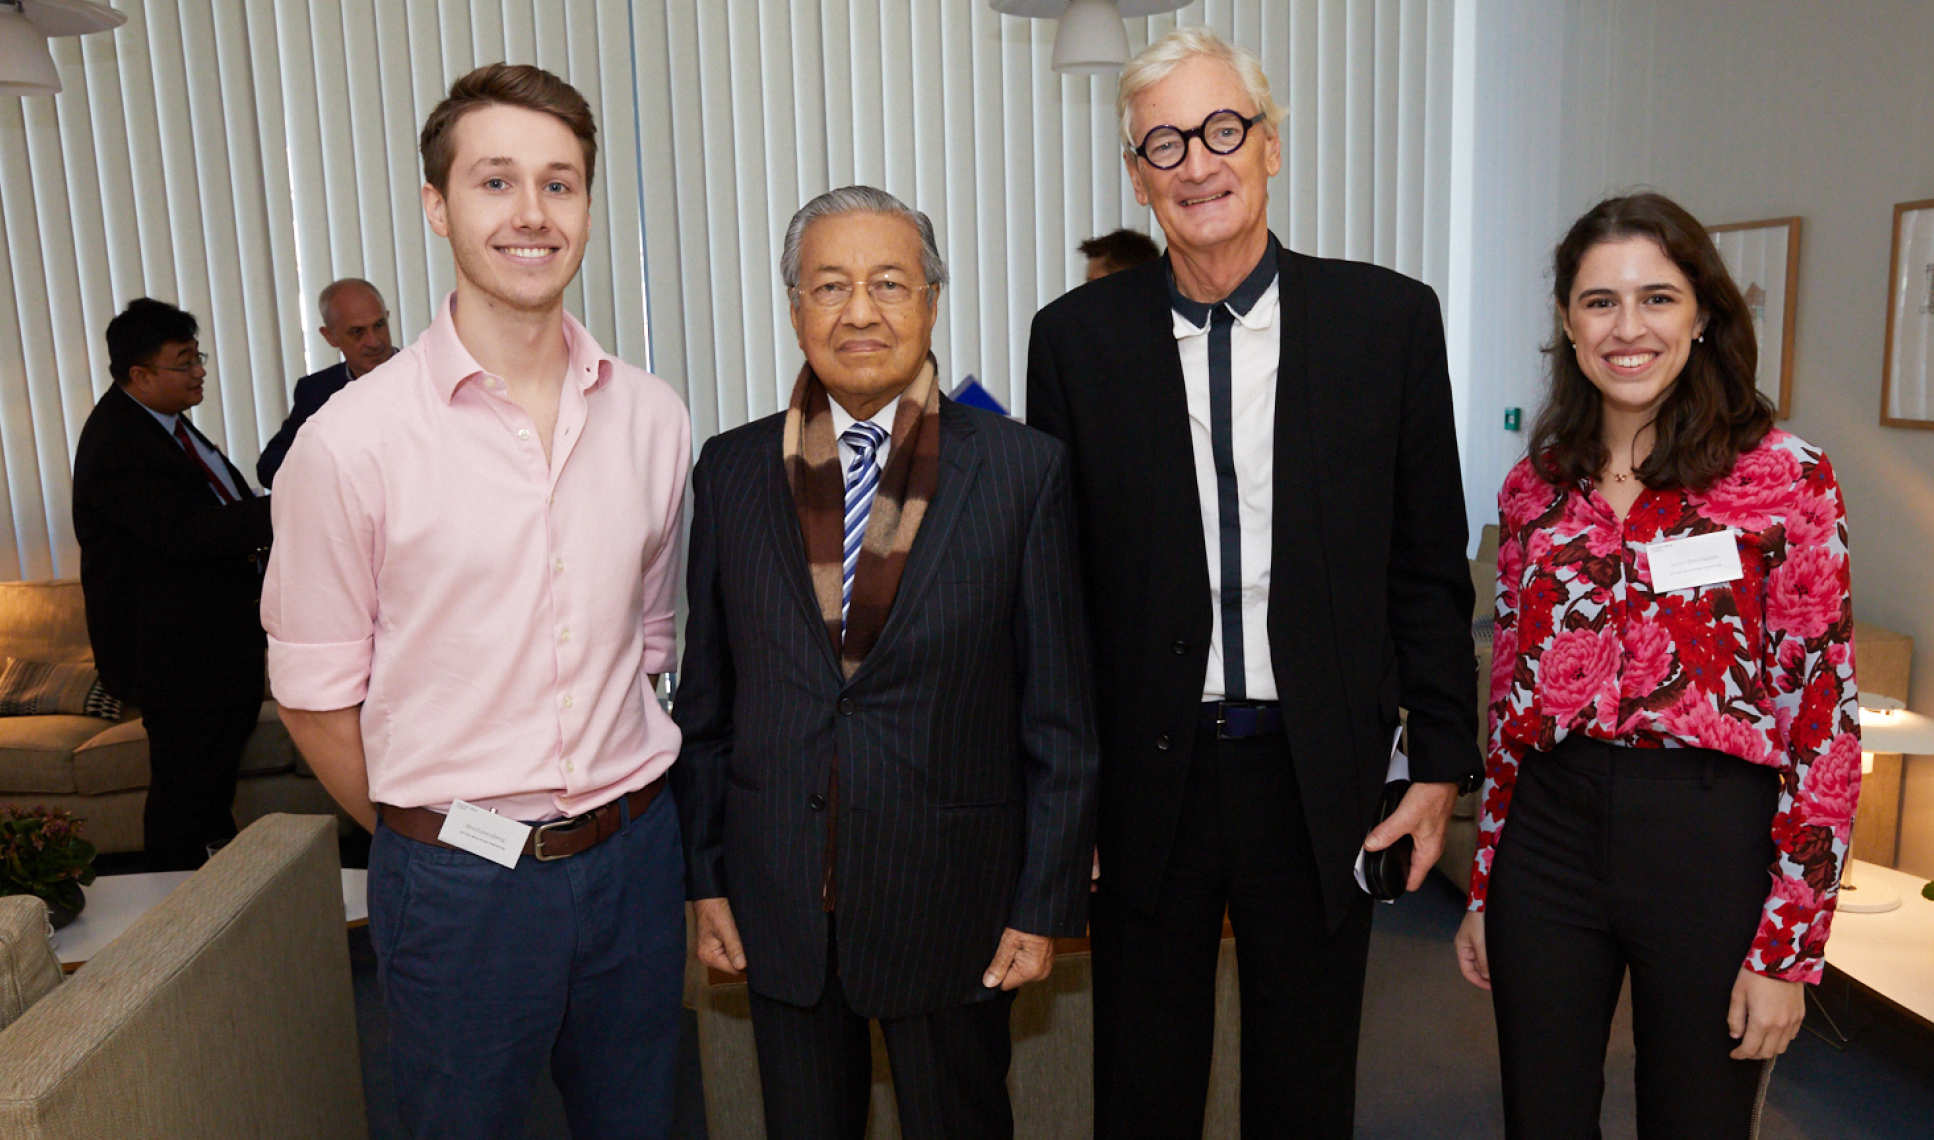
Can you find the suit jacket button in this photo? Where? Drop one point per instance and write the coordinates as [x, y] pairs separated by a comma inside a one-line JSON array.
[[816, 802], [1161, 743], [846, 706], [1180, 647]]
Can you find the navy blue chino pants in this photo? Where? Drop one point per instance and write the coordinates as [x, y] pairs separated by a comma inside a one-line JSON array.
[[488, 973]]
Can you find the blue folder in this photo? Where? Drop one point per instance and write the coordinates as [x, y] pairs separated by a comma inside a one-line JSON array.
[[974, 396]]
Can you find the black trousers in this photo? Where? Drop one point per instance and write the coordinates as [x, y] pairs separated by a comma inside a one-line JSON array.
[[1241, 846], [949, 1067], [1615, 859], [193, 755]]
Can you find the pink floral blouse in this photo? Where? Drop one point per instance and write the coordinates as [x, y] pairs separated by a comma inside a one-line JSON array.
[[1760, 667]]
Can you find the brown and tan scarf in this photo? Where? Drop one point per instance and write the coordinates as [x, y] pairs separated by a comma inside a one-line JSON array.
[[818, 483]]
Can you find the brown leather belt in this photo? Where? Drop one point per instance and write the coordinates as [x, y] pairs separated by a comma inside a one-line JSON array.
[[553, 839]]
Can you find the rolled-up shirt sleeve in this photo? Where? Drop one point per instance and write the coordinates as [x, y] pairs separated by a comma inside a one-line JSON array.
[[319, 599], [662, 572]]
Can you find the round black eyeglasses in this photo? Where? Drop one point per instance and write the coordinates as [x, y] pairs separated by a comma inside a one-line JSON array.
[[1223, 132]]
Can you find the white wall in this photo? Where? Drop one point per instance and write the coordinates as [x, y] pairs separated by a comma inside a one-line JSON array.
[[1740, 112], [1497, 312]]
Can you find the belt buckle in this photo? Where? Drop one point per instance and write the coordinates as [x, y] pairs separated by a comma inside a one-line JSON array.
[[537, 837], [1222, 721]]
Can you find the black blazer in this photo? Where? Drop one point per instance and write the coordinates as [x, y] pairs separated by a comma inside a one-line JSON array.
[[171, 575], [965, 742], [311, 393], [1370, 594]]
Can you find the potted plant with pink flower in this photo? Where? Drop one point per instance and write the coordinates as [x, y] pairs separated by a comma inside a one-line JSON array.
[[42, 854]]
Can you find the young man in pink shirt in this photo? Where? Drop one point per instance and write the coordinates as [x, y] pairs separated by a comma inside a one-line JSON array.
[[469, 598]]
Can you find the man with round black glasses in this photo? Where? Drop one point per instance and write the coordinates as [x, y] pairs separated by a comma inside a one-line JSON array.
[[1273, 534]]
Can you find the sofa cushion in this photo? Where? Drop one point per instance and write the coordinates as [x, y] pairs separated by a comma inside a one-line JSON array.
[[113, 760], [37, 752], [75, 754], [38, 688], [45, 621], [28, 968]]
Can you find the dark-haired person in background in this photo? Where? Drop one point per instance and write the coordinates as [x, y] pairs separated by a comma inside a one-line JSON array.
[[475, 588], [172, 540], [355, 322], [1116, 251], [1673, 712]]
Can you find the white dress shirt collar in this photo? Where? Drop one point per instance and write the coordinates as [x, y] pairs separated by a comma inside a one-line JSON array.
[[882, 419]]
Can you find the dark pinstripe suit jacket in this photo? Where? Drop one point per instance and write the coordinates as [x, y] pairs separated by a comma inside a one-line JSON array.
[[965, 743]]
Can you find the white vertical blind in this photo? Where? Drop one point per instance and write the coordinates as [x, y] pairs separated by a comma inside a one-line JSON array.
[[234, 159], [955, 109]]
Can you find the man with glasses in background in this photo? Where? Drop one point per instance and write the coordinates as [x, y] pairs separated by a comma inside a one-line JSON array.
[[1273, 537], [887, 779], [172, 540]]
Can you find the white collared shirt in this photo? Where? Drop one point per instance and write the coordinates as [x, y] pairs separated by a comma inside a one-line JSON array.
[[882, 419], [1255, 344]]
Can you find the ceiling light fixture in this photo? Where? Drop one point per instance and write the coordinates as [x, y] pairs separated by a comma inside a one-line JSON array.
[[1089, 36], [26, 64]]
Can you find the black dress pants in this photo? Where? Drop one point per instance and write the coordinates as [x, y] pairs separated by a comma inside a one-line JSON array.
[[1241, 846], [1615, 859], [193, 756], [949, 1067]]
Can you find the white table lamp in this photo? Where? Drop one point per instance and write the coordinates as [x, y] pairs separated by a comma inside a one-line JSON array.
[[1886, 725]]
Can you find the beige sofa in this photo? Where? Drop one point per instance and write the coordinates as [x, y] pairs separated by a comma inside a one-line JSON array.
[[98, 769], [226, 1011], [1883, 659]]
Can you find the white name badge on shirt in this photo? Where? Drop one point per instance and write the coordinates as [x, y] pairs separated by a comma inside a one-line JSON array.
[[1701, 560], [484, 833]]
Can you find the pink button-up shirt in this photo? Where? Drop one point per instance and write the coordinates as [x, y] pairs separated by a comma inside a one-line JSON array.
[[494, 615]]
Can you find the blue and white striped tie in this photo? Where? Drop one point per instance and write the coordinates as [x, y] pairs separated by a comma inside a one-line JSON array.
[[862, 479]]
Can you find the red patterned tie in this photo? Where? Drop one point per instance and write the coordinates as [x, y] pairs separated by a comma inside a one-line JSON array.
[[194, 453]]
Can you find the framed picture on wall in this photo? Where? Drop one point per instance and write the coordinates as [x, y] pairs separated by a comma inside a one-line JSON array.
[[1764, 258], [1907, 376]]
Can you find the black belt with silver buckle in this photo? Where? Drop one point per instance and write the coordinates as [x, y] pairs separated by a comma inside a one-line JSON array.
[[1241, 720]]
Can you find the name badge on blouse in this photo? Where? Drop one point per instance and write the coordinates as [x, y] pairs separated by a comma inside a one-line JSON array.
[[484, 833], [1686, 563]]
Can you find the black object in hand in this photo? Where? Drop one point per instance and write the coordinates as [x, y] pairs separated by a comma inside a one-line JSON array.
[[1386, 872]]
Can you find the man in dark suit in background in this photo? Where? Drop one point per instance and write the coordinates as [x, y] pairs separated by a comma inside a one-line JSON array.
[[355, 322], [172, 540], [887, 777], [1273, 535]]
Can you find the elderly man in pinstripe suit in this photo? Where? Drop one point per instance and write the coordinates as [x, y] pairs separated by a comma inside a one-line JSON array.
[[889, 762]]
